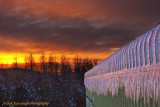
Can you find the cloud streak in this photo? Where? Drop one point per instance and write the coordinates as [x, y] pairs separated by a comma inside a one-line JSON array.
[[85, 26]]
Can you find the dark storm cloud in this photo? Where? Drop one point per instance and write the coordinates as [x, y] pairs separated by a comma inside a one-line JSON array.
[[72, 34], [118, 23]]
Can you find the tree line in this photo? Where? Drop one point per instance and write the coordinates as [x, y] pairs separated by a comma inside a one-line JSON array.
[[63, 67]]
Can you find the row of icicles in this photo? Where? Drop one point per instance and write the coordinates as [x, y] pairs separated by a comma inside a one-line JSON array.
[[138, 84]]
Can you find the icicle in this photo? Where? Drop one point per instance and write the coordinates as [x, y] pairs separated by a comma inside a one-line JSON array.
[[138, 56]]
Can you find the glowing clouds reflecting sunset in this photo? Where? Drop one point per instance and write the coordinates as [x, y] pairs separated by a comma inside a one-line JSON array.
[[93, 29]]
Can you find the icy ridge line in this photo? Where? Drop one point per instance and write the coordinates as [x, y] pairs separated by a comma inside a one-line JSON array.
[[141, 52], [136, 66]]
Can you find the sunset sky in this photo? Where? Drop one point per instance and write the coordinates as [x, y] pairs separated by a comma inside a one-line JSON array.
[[91, 28]]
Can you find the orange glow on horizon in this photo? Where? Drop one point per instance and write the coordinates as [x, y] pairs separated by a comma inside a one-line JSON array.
[[10, 58]]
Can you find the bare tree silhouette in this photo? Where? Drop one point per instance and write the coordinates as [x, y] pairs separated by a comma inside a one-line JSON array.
[[31, 62], [26, 62], [65, 67], [51, 63], [43, 63]]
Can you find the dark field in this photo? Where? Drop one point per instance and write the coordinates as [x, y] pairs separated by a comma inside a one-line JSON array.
[[19, 85]]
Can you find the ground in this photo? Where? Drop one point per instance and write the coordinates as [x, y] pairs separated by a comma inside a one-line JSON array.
[[19, 85]]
